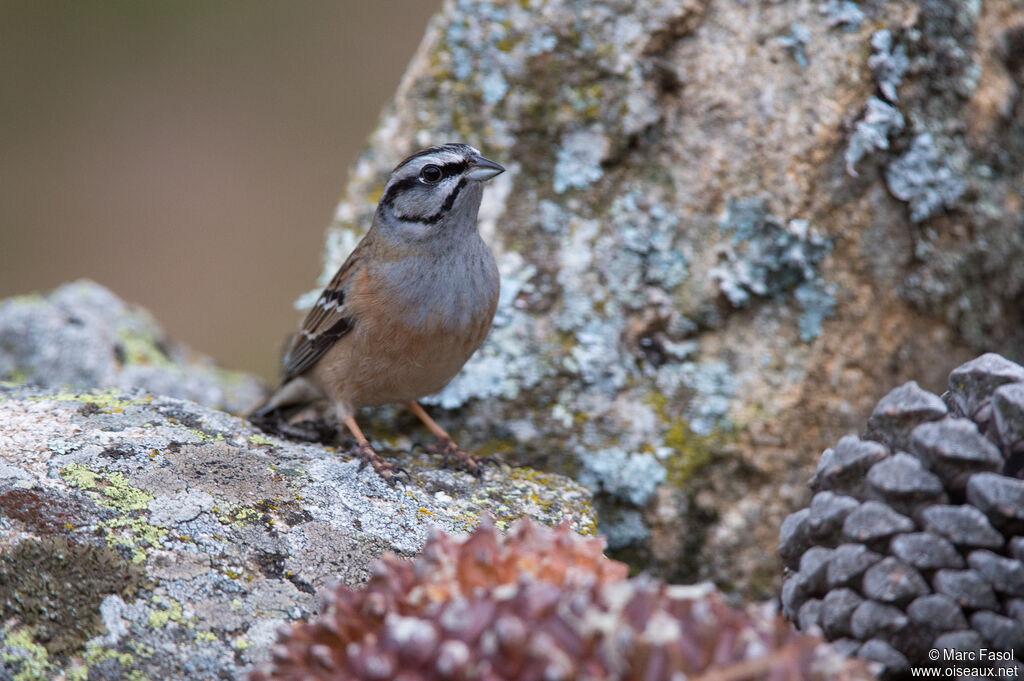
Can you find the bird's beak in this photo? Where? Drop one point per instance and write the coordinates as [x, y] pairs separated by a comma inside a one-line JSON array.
[[483, 169]]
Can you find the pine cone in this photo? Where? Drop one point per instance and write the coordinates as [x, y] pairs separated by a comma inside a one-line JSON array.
[[539, 604], [913, 539]]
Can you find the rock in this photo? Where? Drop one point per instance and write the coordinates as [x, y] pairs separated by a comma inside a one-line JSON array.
[[1002, 633], [963, 641], [848, 562], [877, 650], [973, 383], [872, 618], [828, 511], [844, 467], [872, 521], [962, 525], [1008, 409], [837, 607], [1000, 498], [794, 537], [954, 449], [687, 268], [926, 551], [814, 566], [936, 612], [150, 536], [892, 581], [83, 336], [900, 412], [1006, 575], [968, 588], [809, 615], [903, 482]]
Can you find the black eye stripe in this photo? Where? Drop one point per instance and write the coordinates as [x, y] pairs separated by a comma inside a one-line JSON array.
[[449, 169], [454, 168], [436, 217]]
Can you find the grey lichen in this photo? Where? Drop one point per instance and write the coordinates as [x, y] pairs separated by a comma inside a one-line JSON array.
[[922, 178], [190, 533], [818, 303], [796, 43], [767, 258], [880, 122], [82, 335], [579, 159], [630, 476], [842, 13], [889, 63], [713, 386], [623, 527]]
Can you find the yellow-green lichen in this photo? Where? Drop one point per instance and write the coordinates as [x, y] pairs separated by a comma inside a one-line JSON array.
[[692, 452], [260, 440], [112, 490], [139, 532], [34, 665], [206, 637], [241, 516], [95, 654], [168, 610], [205, 437], [139, 349], [17, 377], [109, 401]]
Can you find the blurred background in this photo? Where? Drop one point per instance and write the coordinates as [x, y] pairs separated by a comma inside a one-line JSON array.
[[189, 155]]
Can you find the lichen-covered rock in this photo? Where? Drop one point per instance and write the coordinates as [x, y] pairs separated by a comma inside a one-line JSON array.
[[690, 274], [148, 536], [83, 336], [539, 604], [929, 558]]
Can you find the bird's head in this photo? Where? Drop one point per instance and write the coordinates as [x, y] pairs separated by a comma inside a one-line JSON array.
[[435, 191]]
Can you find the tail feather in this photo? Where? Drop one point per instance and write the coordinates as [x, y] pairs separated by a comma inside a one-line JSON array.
[[280, 414]]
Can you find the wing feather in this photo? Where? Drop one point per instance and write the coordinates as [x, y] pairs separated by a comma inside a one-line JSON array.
[[325, 323]]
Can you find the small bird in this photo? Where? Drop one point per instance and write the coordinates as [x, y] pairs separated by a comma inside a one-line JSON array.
[[409, 306]]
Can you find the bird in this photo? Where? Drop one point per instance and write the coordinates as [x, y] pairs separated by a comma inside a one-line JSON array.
[[408, 307]]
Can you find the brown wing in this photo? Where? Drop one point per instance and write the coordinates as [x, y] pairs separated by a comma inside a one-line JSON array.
[[326, 322]]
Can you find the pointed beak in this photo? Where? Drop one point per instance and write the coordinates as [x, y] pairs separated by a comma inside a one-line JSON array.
[[483, 169]]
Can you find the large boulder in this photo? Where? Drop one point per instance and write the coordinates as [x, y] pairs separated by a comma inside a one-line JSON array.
[[83, 336], [145, 536], [727, 229]]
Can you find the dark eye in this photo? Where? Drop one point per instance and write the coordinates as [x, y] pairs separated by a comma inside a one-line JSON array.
[[430, 174]]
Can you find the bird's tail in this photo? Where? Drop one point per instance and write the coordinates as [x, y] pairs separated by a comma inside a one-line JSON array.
[[280, 413]]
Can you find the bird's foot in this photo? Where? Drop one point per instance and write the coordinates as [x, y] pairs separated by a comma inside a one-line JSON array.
[[391, 473], [453, 457], [305, 430]]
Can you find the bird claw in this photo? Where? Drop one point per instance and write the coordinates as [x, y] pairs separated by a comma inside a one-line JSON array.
[[390, 472], [453, 457]]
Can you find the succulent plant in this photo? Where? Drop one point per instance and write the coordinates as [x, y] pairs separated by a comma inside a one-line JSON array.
[[914, 539], [539, 603]]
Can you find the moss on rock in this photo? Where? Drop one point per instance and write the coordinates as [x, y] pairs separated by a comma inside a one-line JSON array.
[[54, 588]]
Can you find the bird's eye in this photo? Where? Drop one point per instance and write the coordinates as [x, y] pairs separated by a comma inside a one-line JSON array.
[[431, 174]]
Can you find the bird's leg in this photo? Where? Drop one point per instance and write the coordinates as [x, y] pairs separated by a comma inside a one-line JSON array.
[[445, 444], [385, 469]]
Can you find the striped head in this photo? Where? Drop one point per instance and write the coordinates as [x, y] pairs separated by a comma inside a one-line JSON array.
[[435, 191]]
